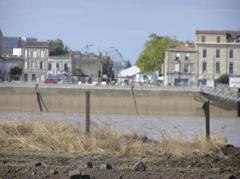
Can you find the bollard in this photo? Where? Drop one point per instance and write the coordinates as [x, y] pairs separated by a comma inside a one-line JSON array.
[[38, 97], [238, 103], [39, 101], [207, 116], [87, 111]]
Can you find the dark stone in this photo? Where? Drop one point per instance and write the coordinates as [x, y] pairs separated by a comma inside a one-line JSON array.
[[86, 177], [34, 173], [105, 166], [53, 172], [89, 165], [139, 166], [37, 164], [232, 177]]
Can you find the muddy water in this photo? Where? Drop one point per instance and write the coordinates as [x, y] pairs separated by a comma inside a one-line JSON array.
[[155, 127]]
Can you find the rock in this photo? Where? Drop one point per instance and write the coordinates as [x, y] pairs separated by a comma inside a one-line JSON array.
[[105, 166], [53, 172], [232, 177], [89, 165], [34, 173], [37, 164], [75, 174], [139, 166]]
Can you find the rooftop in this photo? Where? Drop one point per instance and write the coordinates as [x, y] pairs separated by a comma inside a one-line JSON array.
[[218, 32], [181, 48], [37, 44]]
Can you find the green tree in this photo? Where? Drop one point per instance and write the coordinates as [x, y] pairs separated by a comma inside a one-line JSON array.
[[223, 79], [57, 47], [127, 64], [16, 71], [153, 53]]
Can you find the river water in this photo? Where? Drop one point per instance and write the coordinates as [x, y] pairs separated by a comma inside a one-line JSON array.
[[154, 127]]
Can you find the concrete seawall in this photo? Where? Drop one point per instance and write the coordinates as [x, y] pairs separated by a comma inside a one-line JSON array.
[[111, 101]]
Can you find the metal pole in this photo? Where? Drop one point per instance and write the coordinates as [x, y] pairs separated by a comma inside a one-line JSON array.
[[206, 110], [87, 111], [238, 103]]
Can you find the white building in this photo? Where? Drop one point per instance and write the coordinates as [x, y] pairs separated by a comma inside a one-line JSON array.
[[59, 67]]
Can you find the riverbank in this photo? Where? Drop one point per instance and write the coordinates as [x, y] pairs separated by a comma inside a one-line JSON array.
[[46, 149]]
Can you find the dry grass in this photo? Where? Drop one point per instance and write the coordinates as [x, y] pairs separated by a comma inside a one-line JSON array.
[[61, 137]]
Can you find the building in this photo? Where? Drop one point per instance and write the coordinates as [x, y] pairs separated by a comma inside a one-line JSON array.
[[86, 66], [35, 61], [7, 64], [60, 67], [180, 66], [1, 43], [218, 53], [9, 43]]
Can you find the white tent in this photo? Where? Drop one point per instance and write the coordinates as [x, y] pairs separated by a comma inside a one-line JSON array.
[[129, 72]]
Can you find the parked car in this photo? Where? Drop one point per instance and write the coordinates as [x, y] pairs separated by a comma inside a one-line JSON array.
[[50, 81]]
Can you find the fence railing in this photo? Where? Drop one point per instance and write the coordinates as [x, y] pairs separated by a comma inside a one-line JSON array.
[[223, 92]]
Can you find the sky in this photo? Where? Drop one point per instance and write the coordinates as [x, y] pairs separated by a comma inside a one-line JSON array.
[[122, 24]]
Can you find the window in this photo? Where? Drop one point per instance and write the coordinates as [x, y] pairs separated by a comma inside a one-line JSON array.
[[231, 53], [177, 56], [187, 56], [26, 53], [238, 39], [218, 39], [29, 54], [57, 66], [203, 39], [66, 67], [34, 54], [217, 53], [204, 53], [217, 67], [49, 66], [41, 65], [177, 67], [204, 67], [33, 77], [231, 68], [25, 64], [186, 68], [42, 53], [25, 77]]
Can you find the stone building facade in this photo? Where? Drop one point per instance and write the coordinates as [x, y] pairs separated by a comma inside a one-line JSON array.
[[60, 67], [35, 61], [218, 53], [180, 66]]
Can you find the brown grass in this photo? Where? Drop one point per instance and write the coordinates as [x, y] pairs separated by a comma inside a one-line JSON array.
[[61, 137]]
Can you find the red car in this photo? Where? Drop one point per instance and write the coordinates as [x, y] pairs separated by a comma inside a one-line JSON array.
[[50, 81]]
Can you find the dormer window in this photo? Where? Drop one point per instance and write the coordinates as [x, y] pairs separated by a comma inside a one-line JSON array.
[[177, 56], [187, 56]]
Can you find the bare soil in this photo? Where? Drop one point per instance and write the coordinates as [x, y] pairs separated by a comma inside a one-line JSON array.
[[19, 164]]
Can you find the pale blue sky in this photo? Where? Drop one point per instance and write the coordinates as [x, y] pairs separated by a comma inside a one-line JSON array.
[[124, 24]]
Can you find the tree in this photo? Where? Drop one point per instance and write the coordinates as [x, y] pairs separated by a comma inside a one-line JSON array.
[[153, 54], [57, 47], [127, 64], [223, 79], [16, 71]]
